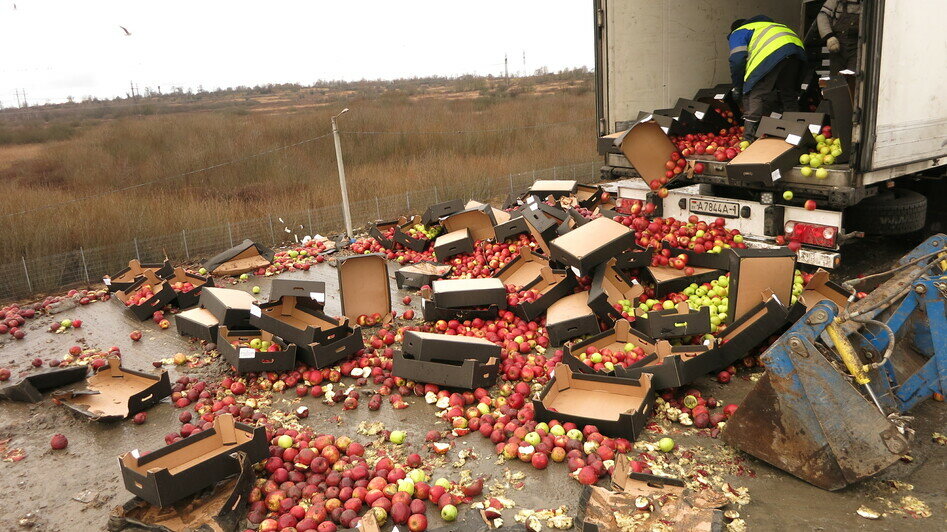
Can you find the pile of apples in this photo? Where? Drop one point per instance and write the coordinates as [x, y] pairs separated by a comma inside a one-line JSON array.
[[827, 150], [694, 234], [257, 344], [182, 287], [423, 232], [14, 318], [515, 296], [141, 296], [607, 360], [722, 146]]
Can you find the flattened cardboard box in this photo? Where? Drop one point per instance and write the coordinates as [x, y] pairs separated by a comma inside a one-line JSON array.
[[524, 270], [414, 276], [171, 473], [115, 393], [460, 293], [618, 407], [429, 347], [364, 287], [221, 507], [587, 246], [185, 300], [774, 153], [435, 212], [609, 286], [454, 243], [685, 364], [245, 257], [556, 188], [570, 317], [197, 323], [249, 360], [552, 286], [756, 271], [468, 374], [127, 277], [163, 296], [30, 389], [667, 280], [230, 307], [673, 323]]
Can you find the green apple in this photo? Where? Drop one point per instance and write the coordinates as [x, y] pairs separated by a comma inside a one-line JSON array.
[[804, 158], [397, 437], [828, 159], [806, 171], [255, 290], [442, 482], [542, 426], [417, 475], [244, 277], [668, 304], [666, 445], [820, 138], [449, 513], [256, 343], [532, 438], [202, 271], [596, 358], [406, 485], [574, 434], [787, 195], [557, 430], [821, 173], [737, 238], [285, 441]]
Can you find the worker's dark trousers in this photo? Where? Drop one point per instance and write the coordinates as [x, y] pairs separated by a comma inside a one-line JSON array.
[[777, 91]]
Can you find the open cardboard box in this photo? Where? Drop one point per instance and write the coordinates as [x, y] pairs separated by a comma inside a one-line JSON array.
[[588, 196], [364, 287], [662, 117], [673, 323], [249, 360], [453, 243], [820, 288], [230, 307], [757, 271], [197, 323], [430, 347], [163, 295], [524, 270], [553, 187], [379, 230], [435, 212], [552, 286], [667, 280], [171, 473], [721, 97], [813, 121], [468, 374], [460, 293], [246, 256], [613, 339], [221, 507], [647, 147], [298, 319], [508, 224], [30, 389], [618, 407], [405, 239], [414, 276], [326, 353], [572, 221], [127, 277], [431, 312], [609, 286], [774, 153], [634, 258], [184, 300], [684, 364], [570, 317], [478, 221], [707, 120], [116, 393], [587, 246]]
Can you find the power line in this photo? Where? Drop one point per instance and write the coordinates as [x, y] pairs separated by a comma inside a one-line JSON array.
[[466, 131], [168, 178]]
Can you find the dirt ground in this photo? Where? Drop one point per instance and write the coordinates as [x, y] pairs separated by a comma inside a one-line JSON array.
[[75, 489]]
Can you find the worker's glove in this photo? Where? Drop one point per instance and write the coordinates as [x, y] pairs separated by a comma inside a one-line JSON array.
[[833, 45], [737, 94]]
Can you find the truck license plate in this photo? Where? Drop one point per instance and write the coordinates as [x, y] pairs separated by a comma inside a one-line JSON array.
[[726, 209]]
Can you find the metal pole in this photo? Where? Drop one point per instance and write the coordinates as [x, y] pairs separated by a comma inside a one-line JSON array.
[[342, 185], [187, 253], [84, 266], [29, 283], [573, 172], [309, 214], [511, 182], [554, 171], [436, 198], [272, 233], [137, 253], [378, 208], [407, 199], [230, 233]]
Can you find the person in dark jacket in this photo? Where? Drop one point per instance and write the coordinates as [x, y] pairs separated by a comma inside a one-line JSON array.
[[838, 26], [767, 61]]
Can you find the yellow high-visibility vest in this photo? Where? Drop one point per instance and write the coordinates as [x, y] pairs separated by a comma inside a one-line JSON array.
[[767, 38]]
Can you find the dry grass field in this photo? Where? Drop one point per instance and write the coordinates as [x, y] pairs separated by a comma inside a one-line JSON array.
[[52, 156]]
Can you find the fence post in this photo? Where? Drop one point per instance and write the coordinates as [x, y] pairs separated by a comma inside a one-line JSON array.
[[309, 214], [377, 208], [26, 270], [407, 200], [187, 252], [272, 233], [573, 172], [84, 266], [436, 198], [230, 233], [555, 170], [137, 253], [511, 183]]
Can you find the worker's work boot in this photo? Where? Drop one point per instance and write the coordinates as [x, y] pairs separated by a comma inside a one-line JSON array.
[[749, 130]]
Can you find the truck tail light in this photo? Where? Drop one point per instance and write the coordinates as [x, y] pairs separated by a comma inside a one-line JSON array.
[[824, 236]]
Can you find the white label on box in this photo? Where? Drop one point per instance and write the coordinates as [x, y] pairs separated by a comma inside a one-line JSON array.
[[533, 207], [664, 129], [107, 281], [247, 352], [776, 115], [136, 454], [699, 115], [814, 128], [255, 310], [531, 200], [804, 86], [776, 175], [826, 62], [847, 72], [793, 139], [645, 119], [576, 270], [317, 297], [719, 96]]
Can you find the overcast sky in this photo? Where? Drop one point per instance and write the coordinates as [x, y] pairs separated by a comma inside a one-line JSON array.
[[59, 48]]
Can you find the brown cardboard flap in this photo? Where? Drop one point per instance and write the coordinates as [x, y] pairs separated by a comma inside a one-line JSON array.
[[557, 187], [648, 148], [187, 456], [453, 236], [818, 289], [591, 236], [364, 287], [567, 308], [762, 151], [616, 285], [523, 271], [245, 261], [476, 221], [597, 400], [427, 268], [230, 298], [666, 273], [757, 271], [288, 313], [108, 393]]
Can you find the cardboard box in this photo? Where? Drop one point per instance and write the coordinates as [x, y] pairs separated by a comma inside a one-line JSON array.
[[708, 120], [468, 374], [587, 246], [757, 271], [508, 225], [430, 347], [230, 307], [552, 286], [588, 196], [185, 300], [435, 212], [837, 102], [115, 393], [197, 323], [813, 121], [246, 256], [326, 353], [364, 287], [459, 293], [454, 243], [721, 96], [431, 312], [713, 261], [618, 407], [820, 288], [127, 277], [163, 295], [379, 231], [634, 258], [613, 339], [414, 276], [572, 221], [524, 270], [542, 226], [299, 319], [570, 317], [405, 239], [673, 323], [667, 280], [680, 365], [478, 221], [221, 507], [167, 475], [663, 120], [249, 360], [774, 153], [609, 286], [556, 188], [30, 389]]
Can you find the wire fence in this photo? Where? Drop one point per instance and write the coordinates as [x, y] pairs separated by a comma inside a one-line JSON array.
[[86, 266]]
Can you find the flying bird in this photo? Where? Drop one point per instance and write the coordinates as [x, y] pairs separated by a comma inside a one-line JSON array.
[[127, 33]]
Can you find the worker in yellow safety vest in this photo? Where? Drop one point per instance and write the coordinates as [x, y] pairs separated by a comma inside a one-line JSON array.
[[767, 63]]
